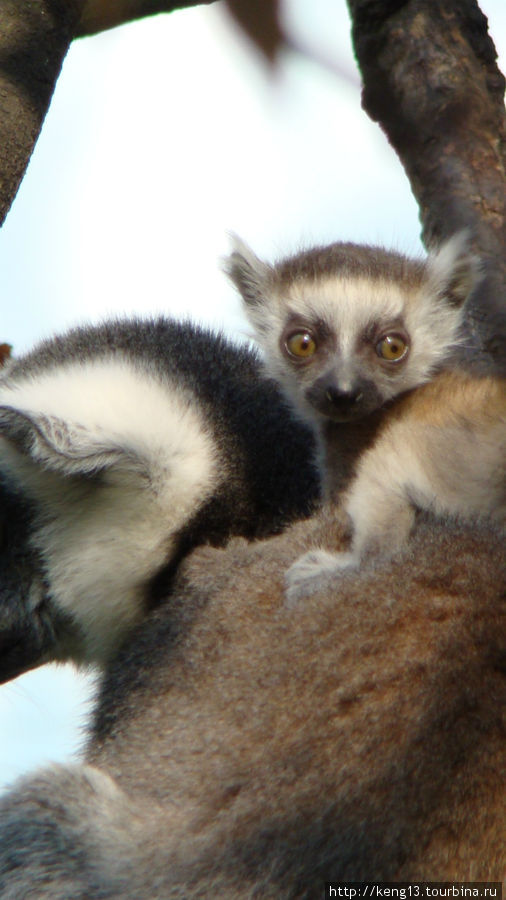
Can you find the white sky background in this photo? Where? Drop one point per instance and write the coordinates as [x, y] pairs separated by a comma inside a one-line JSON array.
[[162, 136]]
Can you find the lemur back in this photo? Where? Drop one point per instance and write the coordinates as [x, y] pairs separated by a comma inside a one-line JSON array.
[[359, 339], [237, 749], [240, 750], [121, 447]]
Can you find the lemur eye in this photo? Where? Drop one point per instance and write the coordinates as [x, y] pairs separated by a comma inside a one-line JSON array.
[[392, 347], [301, 344]]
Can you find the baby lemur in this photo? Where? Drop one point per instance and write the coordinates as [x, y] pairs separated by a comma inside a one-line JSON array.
[[358, 338]]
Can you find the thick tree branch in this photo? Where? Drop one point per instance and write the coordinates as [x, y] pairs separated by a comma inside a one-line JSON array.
[[431, 81], [99, 15], [259, 19], [34, 38]]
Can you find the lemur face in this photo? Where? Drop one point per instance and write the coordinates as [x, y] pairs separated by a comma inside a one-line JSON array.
[[344, 329], [344, 373]]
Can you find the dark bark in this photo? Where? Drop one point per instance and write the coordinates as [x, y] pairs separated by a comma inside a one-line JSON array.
[[431, 81], [259, 19], [34, 38], [99, 15]]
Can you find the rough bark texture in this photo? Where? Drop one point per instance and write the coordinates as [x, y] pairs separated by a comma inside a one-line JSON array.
[[34, 38], [431, 81]]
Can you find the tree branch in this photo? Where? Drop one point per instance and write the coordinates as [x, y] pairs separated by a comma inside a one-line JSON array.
[[34, 38], [99, 15], [259, 19], [431, 81]]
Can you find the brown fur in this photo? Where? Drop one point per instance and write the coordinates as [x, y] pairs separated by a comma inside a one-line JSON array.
[[456, 397], [457, 403], [360, 736], [349, 261]]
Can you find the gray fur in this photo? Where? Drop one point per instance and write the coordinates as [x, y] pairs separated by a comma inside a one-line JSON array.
[[242, 750]]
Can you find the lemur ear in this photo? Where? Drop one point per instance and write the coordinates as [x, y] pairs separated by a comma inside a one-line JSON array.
[[249, 274], [58, 445], [454, 270]]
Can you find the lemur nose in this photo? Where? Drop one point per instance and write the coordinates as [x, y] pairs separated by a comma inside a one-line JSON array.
[[343, 400]]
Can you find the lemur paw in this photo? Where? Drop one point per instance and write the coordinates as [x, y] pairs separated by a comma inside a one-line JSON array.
[[310, 571]]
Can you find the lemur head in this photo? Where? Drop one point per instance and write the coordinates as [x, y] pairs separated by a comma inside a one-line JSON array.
[[345, 328]]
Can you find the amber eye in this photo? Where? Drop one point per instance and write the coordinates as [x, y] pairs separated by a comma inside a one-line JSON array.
[[392, 347], [301, 344]]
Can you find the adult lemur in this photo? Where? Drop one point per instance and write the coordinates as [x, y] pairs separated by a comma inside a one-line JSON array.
[[121, 447], [239, 750], [350, 332], [236, 750]]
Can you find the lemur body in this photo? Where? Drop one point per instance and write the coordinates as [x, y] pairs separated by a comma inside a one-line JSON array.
[[358, 338], [125, 445], [237, 750]]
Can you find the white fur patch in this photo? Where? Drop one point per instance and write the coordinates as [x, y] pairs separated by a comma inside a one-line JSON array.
[[312, 570], [349, 306], [101, 539]]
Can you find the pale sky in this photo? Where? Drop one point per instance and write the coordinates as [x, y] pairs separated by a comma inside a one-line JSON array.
[[163, 136]]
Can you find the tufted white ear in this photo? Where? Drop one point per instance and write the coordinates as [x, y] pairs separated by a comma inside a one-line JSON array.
[[248, 273], [62, 446], [454, 271]]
